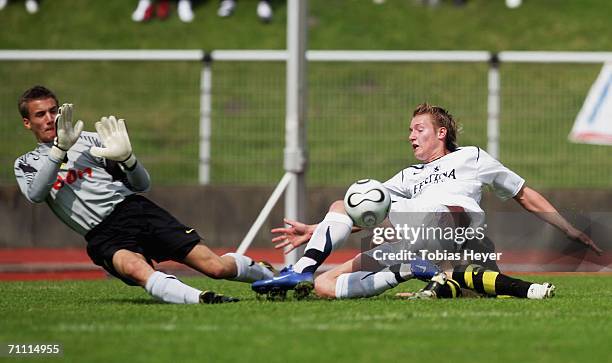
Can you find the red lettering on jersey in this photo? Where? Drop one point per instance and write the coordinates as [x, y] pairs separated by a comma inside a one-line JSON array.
[[71, 176], [59, 183]]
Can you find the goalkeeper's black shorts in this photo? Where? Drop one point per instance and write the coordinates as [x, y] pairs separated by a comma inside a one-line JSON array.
[[139, 225]]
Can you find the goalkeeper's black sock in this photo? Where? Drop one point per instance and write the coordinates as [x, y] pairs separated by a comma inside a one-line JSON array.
[[489, 282]]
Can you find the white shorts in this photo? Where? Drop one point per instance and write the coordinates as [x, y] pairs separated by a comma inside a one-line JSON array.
[[414, 211], [420, 211]]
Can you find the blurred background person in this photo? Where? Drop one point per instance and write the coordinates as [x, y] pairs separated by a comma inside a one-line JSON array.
[[437, 2], [30, 5], [513, 4], [146, 8], [264, 10], [185, 12]]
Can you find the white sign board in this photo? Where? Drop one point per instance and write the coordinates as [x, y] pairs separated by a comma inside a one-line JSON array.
[[594, 122]]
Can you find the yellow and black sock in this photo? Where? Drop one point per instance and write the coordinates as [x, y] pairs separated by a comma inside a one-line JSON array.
[[450, 290], [479, 279]]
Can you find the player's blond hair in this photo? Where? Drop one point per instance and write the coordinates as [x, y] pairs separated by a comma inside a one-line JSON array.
[[442, 118]]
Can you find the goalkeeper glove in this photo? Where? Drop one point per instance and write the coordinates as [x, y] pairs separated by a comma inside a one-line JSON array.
[[66, 134], [116, 141]]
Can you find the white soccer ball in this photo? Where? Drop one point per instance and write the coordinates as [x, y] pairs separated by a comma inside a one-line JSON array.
[[367, 202]]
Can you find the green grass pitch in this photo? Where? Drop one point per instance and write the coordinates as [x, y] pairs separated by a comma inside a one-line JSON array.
[[105, 321]]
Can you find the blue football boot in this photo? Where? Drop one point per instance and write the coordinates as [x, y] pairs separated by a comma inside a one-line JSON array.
[[428, 271], [423, 269], [276, 288]]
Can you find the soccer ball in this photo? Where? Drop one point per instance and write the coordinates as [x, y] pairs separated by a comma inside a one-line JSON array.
[[367, 202]]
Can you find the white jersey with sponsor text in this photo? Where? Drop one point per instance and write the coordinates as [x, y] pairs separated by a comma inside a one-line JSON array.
[[456, 179]]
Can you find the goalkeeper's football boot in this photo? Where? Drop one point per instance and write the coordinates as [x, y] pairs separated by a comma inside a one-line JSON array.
[[277, 287], [211, 297]]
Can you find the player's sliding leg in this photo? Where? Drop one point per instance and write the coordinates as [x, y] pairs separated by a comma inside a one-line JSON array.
[[332, 232], [350, 280], [325, 284], [489, 282], [329, 234], [133, 269], [231, 266]]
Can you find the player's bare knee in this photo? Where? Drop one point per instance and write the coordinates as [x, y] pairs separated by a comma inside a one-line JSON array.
[[136, 270], [132, 266], [217, 271], [325, 286], [338, 207], [205, 261]]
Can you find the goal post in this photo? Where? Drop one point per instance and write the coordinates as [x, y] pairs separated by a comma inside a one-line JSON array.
[[295, 161]]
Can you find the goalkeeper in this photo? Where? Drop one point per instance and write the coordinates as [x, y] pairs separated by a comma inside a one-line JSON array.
[[91, 181]]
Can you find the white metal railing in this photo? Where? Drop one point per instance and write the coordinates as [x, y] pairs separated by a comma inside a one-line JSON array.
[[554, 57], [396, 56], [246, 56], [206, 58], [311, 55], [493, 104], [101, 55]]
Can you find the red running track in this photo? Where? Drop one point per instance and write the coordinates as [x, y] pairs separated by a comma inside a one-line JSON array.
[[19, 264], [74, 264]]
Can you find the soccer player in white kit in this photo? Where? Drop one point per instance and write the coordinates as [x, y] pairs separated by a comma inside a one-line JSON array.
[[449, 179], [91, 182]]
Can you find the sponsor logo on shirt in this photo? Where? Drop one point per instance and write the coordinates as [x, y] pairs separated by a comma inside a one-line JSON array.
[[71, 176], [433, 178]]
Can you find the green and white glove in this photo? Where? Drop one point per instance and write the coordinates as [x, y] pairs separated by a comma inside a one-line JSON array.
[[66, 134], [116, 142]]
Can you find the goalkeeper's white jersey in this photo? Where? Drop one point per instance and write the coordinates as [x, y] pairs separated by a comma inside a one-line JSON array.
[[81, 190], [456, 179]]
